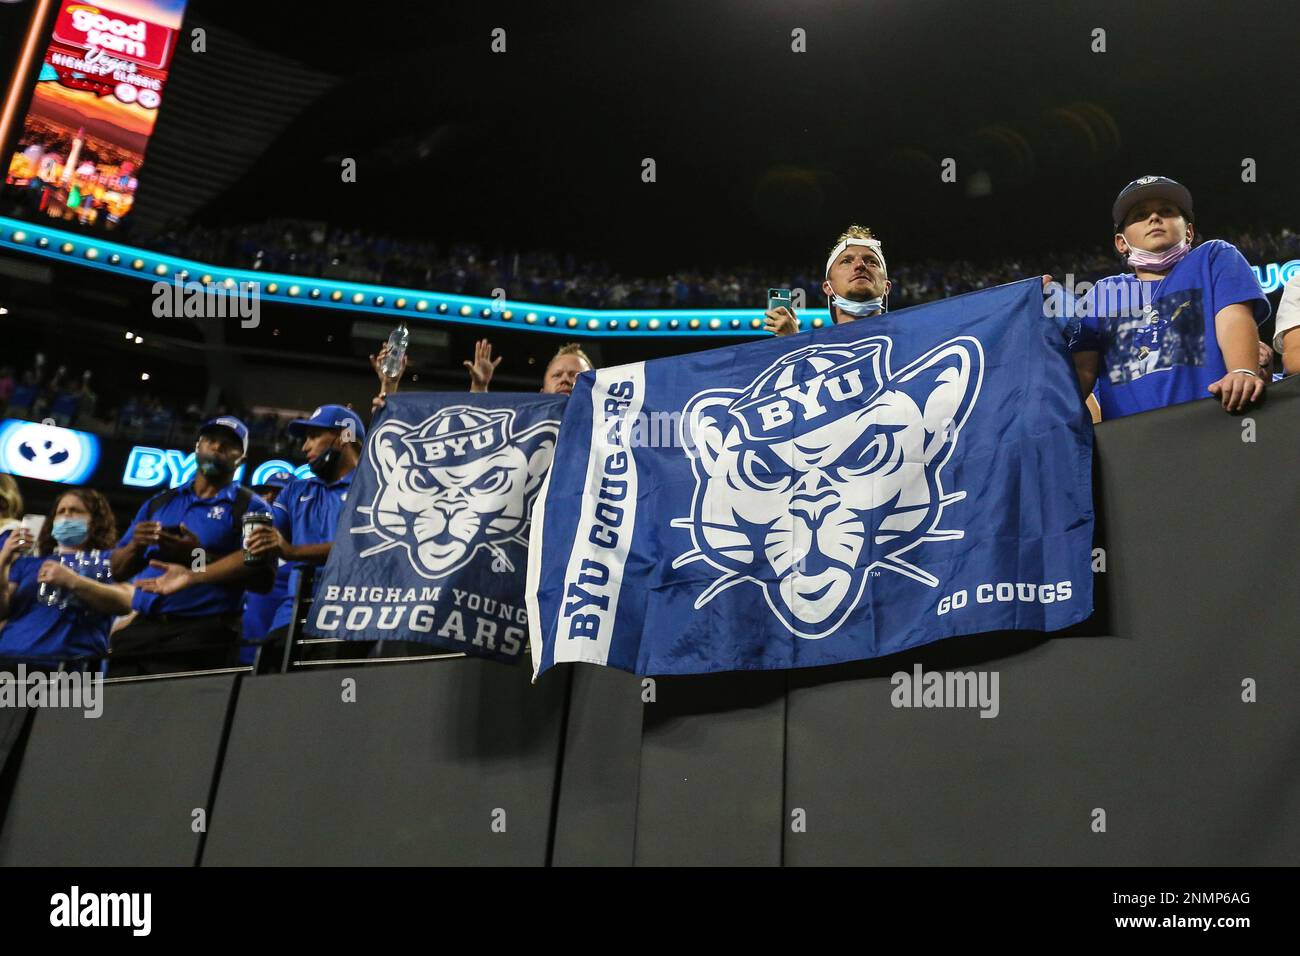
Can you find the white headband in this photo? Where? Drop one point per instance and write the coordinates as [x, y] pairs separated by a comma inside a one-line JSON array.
[[872, 244]]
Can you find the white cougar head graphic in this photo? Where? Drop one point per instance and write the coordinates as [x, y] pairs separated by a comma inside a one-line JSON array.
[[826, 466], [455, 483]]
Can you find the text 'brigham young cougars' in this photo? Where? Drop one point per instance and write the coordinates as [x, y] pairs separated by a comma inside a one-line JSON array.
[[453, 492]]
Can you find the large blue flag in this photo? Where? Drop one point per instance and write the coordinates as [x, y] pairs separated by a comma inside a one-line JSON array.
[[841, 494], [432, 544]]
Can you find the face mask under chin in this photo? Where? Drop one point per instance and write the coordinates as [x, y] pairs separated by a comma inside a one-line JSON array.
[[325, 466]]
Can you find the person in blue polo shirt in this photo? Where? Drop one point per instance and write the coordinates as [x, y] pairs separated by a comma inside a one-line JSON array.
[[58, 604], [184, 554], [1184, 325], [259, 609], [307, 511]]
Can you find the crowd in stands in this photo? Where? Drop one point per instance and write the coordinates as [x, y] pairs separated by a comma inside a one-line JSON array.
[[77, 592], [316, 249], [33, 391]]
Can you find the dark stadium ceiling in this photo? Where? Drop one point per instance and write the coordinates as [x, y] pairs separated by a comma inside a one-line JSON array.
[[763, 154]]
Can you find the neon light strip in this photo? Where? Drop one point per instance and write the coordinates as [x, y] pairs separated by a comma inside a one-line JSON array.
[[397, 302]]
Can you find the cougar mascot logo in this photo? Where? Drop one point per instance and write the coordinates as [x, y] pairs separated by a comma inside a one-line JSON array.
[[828, 465], [458, 482]]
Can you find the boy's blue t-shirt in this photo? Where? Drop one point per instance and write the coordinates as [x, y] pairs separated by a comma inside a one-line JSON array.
[[1171, 355]]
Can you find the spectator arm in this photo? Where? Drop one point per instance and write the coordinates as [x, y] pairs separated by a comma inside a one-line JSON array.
[[1238, 336], [1291, 351], [1085, 367], [308, 553], [232, 570], [112, 599], [126, 562]]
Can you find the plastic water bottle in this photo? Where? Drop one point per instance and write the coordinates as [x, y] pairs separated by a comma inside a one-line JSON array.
[[51, 595], [397, 340]]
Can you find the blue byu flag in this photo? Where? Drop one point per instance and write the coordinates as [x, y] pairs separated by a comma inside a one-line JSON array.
[[842, 494], [432, 545]]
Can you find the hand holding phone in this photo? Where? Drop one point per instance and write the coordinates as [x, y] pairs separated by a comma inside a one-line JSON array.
[[779, 319]]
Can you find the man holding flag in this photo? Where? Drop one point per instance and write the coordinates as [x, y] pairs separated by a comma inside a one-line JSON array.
[[850, 494]]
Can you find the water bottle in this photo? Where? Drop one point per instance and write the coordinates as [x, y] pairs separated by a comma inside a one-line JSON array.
[[397, 340], [51, 595]]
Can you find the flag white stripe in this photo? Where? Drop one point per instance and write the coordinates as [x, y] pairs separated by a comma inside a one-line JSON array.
[[568, 645]]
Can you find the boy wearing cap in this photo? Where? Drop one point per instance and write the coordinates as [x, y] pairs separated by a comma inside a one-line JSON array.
[[1182, 326], [306, 512], [856, 285], [184, 552]]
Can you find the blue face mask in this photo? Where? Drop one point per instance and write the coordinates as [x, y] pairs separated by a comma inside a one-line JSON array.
[[70, 532], [857, 309]]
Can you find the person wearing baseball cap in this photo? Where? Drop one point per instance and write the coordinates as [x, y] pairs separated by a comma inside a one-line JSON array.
[[1183, 325], [306, 511], [259, 609], [856, 285], [184, 554]]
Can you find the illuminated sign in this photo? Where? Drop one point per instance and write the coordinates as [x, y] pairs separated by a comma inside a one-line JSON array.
[[148, 467], [85, 26], [1273, 276], [93, 108], [400, 304], [47, 452]]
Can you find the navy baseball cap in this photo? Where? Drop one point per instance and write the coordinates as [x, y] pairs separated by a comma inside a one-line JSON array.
[[276, 479], [1150, 187], [329, 416], [229, 423]]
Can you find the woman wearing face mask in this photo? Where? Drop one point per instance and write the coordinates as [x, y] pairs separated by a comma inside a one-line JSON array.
[[70, 623], [1183, 325]]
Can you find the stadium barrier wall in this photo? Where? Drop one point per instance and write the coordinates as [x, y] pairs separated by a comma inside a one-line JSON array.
[[1165, 730]]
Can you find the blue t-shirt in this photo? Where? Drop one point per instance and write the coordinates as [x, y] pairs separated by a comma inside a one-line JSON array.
[[213, 522], [307, 512], [1169, 355], [38, 634]]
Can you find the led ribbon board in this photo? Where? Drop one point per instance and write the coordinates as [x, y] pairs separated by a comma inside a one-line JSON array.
[[399, 303]]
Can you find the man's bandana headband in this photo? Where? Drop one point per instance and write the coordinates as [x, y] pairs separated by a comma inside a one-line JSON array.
[[872, 244]]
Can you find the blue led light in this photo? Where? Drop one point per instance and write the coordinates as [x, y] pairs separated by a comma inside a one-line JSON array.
[[127, 261]]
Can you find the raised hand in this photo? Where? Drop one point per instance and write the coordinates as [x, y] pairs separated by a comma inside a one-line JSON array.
[[481, 369]]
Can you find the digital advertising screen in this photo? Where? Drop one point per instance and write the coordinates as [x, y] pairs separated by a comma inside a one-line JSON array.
[[80, 151]]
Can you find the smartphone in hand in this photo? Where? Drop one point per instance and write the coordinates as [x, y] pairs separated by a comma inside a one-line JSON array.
[[779, 298]]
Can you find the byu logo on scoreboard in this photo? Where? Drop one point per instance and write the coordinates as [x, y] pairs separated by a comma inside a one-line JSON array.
[[459, 482], [47, 452], [827, 465]]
